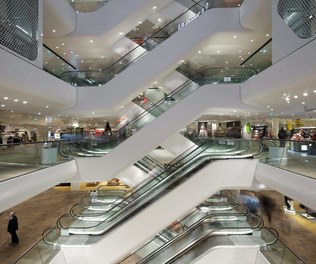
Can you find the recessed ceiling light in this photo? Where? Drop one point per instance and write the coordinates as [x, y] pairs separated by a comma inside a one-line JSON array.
[[218, 51], [121, 33], [47, 106], [16, 100], [91, 40], [267, 35], [38, 113], [287, 99], [235, 36], [54, 30], [154, 7], [251, 40], [314, 91], [5, 98], [199, 52], [24, 102], [295, 96], [93, 113], [305, 94], [2, 105], [303, 102]]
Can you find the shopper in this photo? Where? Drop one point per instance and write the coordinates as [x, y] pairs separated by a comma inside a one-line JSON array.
[[282, 135], [268, 206], [12, 228]]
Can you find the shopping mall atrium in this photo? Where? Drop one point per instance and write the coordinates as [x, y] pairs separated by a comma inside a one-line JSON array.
[[148, 131]]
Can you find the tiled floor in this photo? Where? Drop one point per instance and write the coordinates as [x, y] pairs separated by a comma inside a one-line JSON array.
[[42, 211]]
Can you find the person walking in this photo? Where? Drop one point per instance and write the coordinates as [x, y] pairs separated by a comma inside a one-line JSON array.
[[13, 226], [282, 135]]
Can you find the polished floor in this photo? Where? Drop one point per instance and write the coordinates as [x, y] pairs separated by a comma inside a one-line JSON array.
[[41, 212]]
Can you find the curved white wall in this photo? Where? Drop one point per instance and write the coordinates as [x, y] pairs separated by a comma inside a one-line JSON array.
[[19, 189], [256, 15]]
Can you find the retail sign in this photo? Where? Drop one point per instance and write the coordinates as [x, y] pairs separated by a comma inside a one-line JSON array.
[[183, 24]]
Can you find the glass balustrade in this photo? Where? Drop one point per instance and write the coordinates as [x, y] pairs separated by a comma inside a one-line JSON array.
[[296, 156], [276, 251], [21, 158]]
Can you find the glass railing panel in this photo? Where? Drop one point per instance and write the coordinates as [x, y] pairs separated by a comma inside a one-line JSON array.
[[39, 253], [295, 156], [144, 193], [54, 64], [275, 251], [261, 59], [20, 158]]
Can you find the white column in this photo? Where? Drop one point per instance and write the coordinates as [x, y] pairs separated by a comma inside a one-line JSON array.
[[275, 127]]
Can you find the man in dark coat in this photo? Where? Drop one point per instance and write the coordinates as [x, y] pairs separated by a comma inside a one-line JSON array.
[[13, 226]]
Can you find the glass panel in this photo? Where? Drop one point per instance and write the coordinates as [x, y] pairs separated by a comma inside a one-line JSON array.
[[260, 60], [276, 251], [295, 156], [54, 64], [40, 253], [20, 158]]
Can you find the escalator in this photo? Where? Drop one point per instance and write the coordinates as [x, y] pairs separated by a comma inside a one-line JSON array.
[[210, 231], [168, 55], [139, 198], [157, 35], [177, 171]]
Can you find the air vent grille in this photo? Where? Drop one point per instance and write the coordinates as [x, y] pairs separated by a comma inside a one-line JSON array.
[[19, 26]]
